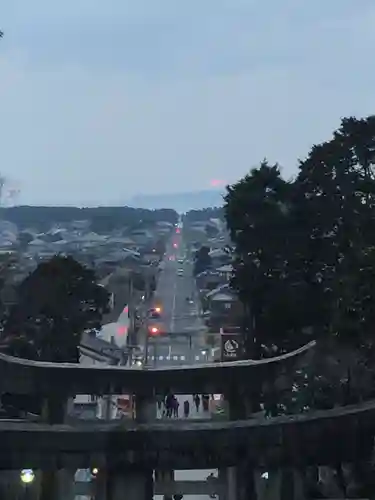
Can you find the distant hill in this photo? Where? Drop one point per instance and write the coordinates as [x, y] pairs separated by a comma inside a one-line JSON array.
[[102, 219], [181, 202]]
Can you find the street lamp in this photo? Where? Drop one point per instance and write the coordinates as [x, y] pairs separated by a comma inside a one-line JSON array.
[[205, 354], [27, 476]]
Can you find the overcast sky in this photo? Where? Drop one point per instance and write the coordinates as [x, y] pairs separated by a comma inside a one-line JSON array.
[[101, 100]]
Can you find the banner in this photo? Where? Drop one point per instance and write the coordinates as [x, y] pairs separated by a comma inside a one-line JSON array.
[[124, 406], [231, 347]]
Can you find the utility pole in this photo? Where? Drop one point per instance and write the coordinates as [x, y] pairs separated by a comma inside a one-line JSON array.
[[131, 312]]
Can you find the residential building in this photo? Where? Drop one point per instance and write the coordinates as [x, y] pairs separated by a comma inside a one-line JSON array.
[[224, 307]]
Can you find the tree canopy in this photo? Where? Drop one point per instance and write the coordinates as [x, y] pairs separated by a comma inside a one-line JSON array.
[[202, 260], [304, 256], [203, 215], [55, 304]]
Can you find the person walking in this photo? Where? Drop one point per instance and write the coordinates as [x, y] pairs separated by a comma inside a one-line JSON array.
[[176, 405], [197, 401], [186, 408], [169, 405], [211, 479], [205, 402], [160, 402]]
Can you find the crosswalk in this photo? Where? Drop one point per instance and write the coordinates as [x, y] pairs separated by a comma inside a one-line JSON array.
[[181, 357]]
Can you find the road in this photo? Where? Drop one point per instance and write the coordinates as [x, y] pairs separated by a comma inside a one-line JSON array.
[[182, 341]]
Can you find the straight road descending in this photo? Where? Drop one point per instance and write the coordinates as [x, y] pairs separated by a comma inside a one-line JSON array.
[[175, 285], [178, 315]]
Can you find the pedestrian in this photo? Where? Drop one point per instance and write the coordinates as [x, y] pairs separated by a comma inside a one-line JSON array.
[[159, 401], [169, 405], [186, 408], [176, 405], [211, 479], [205, 402], [197, 401]]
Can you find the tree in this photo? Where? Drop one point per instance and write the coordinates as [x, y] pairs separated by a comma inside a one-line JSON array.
[[7, 264], [101, 219], [335, 192], [160, 246], [202, 260], [139, 281], [305, 252], [266, 276], [203, 215], [305, 266], [56, 304]]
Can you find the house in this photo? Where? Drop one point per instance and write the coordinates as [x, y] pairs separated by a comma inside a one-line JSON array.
[[122, 242], [151, 256], [225, 271], [209, 280], [141, 236], [103, 349], [224, 306], [219, 257]]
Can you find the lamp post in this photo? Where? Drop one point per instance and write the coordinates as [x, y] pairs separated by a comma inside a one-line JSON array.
[[27, 477], [205, 354]]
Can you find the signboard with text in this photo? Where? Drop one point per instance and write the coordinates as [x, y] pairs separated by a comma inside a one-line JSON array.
[[231, 347]]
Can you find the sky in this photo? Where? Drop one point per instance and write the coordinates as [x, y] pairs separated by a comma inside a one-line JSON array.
[[101, 101]]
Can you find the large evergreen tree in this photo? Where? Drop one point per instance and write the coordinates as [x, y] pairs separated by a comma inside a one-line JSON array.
[[304, 250], [202, 260], [267, 273], [56, 304], [335, 193]]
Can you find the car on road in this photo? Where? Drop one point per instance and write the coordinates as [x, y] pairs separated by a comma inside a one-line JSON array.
[[180, 261], [155, 313], [180, 272]]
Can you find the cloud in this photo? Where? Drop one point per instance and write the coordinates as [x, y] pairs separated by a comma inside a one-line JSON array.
[[100, 101]]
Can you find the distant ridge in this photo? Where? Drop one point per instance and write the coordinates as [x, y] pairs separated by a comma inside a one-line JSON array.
[[181, 202]]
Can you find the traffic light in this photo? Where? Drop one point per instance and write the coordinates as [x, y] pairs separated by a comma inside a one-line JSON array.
[[154, 330]]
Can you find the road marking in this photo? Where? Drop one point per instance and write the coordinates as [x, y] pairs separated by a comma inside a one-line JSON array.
[[173, 306], [179, 357]]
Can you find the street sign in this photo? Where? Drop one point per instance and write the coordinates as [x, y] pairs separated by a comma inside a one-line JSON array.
[[231, 347]]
